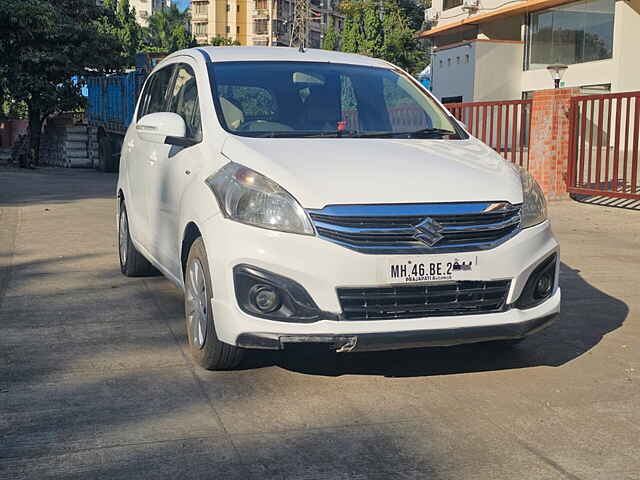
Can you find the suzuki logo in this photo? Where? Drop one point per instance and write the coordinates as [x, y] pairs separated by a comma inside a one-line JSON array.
[[428, 232]]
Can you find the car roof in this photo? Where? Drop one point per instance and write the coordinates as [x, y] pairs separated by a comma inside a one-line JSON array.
[[283, 54]]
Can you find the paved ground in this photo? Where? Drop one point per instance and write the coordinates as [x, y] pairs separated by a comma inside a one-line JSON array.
[[95, 381]]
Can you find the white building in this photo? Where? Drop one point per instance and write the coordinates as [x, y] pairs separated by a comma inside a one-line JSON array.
[[499, 50], [146, 8]]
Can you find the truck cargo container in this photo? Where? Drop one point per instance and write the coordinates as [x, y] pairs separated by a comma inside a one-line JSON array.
[[111, 102]]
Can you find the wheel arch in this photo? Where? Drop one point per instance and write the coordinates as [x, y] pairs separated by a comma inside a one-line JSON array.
[[190, 234]]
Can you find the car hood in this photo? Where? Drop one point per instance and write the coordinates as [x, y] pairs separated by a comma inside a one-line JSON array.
[[330, 171]]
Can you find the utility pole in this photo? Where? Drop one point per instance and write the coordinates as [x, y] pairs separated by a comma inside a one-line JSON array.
[[299, 28]]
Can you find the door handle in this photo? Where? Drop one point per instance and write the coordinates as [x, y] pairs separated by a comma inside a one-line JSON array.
[[187, 172]]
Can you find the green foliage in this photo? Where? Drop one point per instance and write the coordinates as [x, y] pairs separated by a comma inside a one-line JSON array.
[[373, 40], [400, 44], [220, 41], [331, 40], [414, 12], [384, 30], [167, 31], [130, 33], [44, 44], [352, 37]]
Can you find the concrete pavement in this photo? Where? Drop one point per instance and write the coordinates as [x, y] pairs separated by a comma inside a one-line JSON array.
[[95, 380]]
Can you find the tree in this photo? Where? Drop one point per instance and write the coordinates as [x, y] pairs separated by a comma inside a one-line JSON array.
[[400, 44], [123, 24], [383, 30], [414, 12], [44, 45], [352, 37], [373, 38], [220, 41], [331, 40], [168, 31]]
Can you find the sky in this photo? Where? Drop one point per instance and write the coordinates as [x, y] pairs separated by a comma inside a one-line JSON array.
[[182, 4]]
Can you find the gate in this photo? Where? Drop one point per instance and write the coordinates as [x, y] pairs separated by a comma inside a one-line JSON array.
[[503, 125], [603, 148]]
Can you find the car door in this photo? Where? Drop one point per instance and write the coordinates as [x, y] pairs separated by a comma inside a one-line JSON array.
[[144, 157], [171, 174], [134, 156]]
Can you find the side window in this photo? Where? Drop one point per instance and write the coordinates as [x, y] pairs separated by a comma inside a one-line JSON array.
[[157, 92], [184, 101], [144, 99]]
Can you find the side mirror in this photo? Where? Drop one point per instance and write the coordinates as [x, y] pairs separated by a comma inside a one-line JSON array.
[[164, 128]]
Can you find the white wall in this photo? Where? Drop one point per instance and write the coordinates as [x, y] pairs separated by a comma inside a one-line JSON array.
[[498, 71], [455, 79], [456, 14], [494, 71]]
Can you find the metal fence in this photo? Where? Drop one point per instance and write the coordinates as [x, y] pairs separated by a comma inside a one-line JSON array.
[[503, 125], [603, 149]]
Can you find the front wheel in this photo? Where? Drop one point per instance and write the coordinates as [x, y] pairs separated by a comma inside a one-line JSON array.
[[205, 347]]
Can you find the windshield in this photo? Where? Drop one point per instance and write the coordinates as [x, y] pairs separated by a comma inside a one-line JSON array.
[[306, 99]]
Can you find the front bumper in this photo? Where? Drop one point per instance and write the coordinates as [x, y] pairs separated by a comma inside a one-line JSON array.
[[369, 342], [321, 267]]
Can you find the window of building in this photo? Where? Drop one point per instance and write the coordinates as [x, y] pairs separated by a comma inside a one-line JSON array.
[[227, 29], [261, 4], [200, 29], [572, 33], [200, 8], [228, 7], [447, 4], [238, 8], [261, 26], [237, 29]]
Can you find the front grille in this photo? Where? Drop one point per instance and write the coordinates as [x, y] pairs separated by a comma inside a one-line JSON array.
[[388, 229], [458, 298]]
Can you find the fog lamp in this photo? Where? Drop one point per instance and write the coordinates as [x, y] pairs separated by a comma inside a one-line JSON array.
[[544, 285], [265, 298], [540, 284]]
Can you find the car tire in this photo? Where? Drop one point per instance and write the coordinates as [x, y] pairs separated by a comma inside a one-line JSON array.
[[132, 263], [206, 349]]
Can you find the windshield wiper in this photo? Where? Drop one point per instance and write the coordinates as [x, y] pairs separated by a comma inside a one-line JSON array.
[[308, 134], [422, 133]]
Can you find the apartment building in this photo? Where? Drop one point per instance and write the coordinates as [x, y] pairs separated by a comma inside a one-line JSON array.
[[146, 8], [259, 22], [497, 49]]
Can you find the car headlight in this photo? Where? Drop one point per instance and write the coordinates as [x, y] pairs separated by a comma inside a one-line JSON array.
[[249, 197], [534, 205]]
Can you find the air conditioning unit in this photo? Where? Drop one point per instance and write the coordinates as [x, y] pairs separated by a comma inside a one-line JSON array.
[[431, 16], [471, 5]]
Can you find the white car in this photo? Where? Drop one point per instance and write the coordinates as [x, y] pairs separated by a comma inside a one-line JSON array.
[[305, 197]]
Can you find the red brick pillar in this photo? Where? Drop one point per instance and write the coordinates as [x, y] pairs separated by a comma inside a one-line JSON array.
[[549, 140]]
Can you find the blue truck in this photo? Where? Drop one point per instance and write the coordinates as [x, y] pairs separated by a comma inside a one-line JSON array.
[[111, 102]]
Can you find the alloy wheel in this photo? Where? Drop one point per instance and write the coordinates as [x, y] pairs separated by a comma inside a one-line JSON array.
[[196, 301]]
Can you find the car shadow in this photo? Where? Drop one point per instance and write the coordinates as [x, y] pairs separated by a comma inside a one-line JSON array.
[[587, 315]]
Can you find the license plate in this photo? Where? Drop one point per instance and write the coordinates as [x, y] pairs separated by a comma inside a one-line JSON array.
[[417, 271]]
